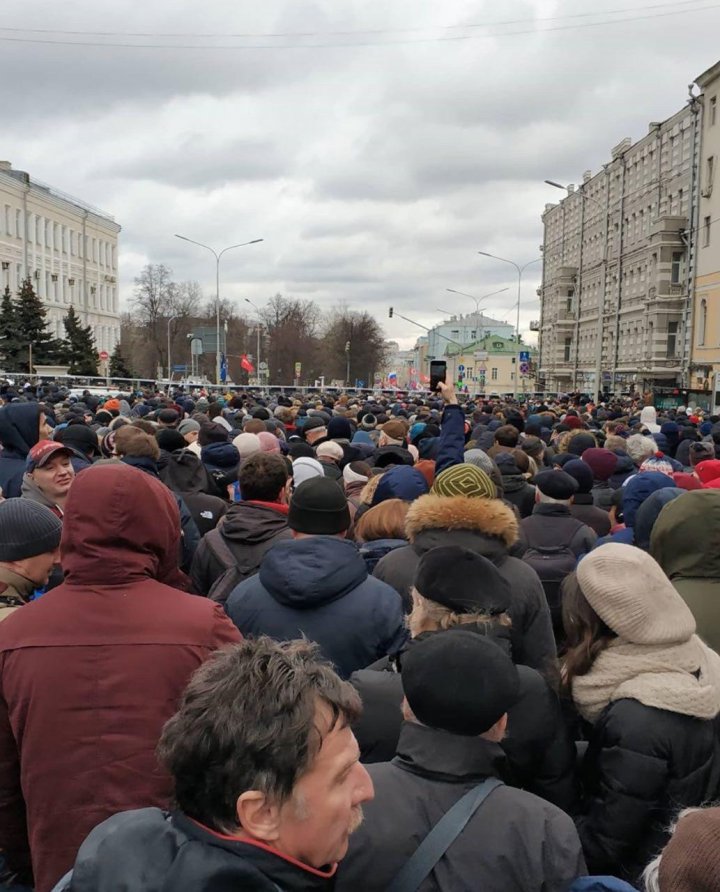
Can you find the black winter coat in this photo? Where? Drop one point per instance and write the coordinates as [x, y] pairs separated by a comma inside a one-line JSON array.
[[19, 432], [151, 851], [641, 767], [489, 528], [515, 842], [540, 752], [584, 509], [519, 492]]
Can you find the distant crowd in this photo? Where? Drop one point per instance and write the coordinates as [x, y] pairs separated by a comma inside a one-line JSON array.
[[314, 642]]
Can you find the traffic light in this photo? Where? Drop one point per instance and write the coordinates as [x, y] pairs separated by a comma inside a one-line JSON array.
[[390, 312]]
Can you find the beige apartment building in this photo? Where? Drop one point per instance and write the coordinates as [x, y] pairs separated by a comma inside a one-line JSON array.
[[69, 250], [705, 359], [618, 267]]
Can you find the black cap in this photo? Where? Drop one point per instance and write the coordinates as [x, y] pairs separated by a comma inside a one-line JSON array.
[[319, 507], [462, 580], [80, 437], [581, 473], [313, 422], [27, 529], [556, 484], [459, 682]]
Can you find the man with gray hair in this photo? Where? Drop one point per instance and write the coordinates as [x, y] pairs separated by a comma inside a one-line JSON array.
[[640, 447], [268, 783]]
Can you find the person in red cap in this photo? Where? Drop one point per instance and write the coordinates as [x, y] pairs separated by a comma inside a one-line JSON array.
[[49, 475]]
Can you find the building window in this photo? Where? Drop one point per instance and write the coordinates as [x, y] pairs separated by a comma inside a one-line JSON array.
[[702, 323], [566, 351], [493, 374], [672, 339], [18, 224], [8, 220], [707, 222], [713, 110], [709, 171], [676, 267]]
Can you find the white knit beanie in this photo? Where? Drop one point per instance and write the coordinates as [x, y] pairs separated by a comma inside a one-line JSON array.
[[630, 593], [247, 444]]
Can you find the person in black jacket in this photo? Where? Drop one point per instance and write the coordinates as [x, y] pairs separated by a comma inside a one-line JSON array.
[[458, 689], [649, 691], [516, 489], [455, 587], [583, 505], [249, 528]]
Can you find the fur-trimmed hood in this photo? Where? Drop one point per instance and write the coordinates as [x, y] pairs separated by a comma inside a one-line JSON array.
[[487, 516]]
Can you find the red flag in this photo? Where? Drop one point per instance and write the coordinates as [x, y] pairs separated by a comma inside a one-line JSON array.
[[246, 365]]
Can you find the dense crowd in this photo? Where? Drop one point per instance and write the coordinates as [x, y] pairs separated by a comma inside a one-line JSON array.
[[294, 642]]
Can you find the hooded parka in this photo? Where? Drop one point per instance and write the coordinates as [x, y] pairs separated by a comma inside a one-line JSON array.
[[90, 672], [19, 432]]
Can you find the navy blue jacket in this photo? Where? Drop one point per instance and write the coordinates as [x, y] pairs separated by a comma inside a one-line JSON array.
[[319, 587], [19, 432], [451, 449]]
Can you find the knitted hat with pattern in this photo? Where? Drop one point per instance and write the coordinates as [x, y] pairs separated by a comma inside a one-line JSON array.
[[464, 480]]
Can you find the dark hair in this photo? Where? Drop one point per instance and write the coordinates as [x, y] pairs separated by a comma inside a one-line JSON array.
[[507, 435], [586, 635], [212, 433], [262, 476], [248, 721], [254, 426]]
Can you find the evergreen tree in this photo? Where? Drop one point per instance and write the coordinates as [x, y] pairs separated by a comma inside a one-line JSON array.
[[118, 365], [80, 352], [32, 331], [10, 345]]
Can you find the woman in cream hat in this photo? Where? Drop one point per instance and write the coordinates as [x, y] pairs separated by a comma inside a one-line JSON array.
[[649, 690]]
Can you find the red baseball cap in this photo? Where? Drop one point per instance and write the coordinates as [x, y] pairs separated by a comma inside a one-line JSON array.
[[42, 452]]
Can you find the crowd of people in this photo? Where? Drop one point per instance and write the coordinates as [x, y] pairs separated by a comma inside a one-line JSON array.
[[313, 642]]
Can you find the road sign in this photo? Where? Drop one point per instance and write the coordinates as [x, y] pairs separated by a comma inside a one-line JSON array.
[[103, 355], [179, 368], [298, 369], [461, 368], [524, 368], [524, 356], [262, 366]]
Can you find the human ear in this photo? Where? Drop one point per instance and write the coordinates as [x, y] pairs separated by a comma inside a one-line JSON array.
[[258, 817]]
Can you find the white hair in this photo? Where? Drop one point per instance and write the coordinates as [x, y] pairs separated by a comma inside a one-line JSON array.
[[651, 874], [640, 447]]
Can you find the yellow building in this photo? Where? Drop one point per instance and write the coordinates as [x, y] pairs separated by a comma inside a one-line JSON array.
[[488, 365], [705, 356]]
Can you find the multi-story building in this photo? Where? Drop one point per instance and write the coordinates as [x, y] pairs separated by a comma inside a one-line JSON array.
[[66, 247], [618, 267], [464, 330], [489, 365], [705, 357]]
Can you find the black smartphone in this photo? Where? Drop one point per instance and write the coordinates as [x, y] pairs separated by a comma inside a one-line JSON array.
[[438, 373]]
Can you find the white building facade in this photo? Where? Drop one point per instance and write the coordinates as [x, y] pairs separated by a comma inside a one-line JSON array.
[[463, 330], [67, 248]]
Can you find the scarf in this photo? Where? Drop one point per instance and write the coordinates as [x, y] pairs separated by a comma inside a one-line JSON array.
[[682, 678]]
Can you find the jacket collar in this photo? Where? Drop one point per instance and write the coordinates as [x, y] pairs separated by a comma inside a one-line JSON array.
[[24, 587], [583, 498], [549, 509], [441, 756], [285, 872]]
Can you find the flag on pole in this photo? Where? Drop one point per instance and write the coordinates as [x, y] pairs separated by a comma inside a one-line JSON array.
[[223, 368], [246, 365]]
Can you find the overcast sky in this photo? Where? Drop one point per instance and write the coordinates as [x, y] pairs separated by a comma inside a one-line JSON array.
[[374, 168]]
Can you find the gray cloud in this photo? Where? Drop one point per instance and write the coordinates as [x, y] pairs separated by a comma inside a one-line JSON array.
[[374, 173]]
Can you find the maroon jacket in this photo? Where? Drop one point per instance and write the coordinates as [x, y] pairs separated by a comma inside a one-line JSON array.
[[91, 671]]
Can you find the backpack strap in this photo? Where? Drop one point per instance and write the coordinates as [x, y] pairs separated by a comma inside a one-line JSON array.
[[441, 837], [221, 549]]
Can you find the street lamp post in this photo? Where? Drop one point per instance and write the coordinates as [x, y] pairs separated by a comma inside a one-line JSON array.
[[257, 330], [170, 321], [217, 257], [347, 363], [520, 270]]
